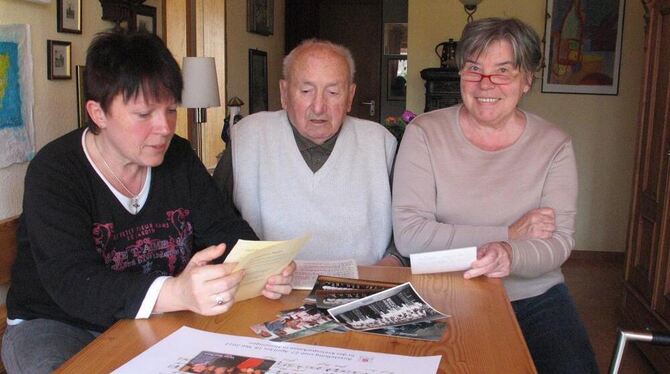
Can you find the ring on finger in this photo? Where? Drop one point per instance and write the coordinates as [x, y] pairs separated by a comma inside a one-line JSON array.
[[219, 299]]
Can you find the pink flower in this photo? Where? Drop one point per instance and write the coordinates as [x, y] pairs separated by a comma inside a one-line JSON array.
[[408, 116]]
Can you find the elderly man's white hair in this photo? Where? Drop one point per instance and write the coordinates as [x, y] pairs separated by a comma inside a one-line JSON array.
[[309, 43]]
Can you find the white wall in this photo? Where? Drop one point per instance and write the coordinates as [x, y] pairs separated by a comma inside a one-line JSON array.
[[55, 111], [238, 43]]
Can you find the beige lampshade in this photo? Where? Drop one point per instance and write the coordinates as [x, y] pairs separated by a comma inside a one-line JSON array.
[[201, 86]]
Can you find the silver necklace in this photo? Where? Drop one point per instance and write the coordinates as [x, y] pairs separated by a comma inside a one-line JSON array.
[[134, 199]]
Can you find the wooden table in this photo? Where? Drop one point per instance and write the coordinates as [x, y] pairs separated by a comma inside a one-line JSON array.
[[482, 336]]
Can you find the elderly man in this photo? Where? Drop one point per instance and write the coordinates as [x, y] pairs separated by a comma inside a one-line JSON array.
[[310, 168]]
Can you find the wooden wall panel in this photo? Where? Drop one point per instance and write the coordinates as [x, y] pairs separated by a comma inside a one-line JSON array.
[[213, 42], [174, 33], [197, 28]]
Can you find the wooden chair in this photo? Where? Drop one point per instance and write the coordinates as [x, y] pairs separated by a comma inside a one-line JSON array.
[[8, 246]]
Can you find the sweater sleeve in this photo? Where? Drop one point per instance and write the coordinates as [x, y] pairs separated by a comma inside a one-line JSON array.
[[415, 224], [534, 257], [223, 173]]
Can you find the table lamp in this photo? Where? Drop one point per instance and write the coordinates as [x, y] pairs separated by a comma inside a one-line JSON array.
[[201, 91], [234, 107]]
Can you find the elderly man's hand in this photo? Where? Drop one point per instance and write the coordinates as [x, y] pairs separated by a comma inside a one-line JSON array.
[[493, 260], [538, 223], [280, 284]]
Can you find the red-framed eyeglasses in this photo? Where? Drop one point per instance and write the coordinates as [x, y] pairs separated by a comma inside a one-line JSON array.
[[498, 79]]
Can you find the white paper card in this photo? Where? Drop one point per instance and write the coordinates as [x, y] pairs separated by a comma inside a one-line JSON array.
[[443, 261]]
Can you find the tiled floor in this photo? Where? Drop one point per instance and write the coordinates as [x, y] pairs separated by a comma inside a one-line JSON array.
[[596, 285]]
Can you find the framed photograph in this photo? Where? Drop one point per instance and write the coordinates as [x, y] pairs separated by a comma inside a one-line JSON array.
[[145, 19], [59, 58], [396, 79], [583, 46], [82, 114], [258, 81], [69, 16], [260, 16]]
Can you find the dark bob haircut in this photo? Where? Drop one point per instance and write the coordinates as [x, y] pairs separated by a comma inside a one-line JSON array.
[[125, 63]]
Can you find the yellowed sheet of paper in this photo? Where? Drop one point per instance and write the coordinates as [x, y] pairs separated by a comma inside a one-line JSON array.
[[260, 260]]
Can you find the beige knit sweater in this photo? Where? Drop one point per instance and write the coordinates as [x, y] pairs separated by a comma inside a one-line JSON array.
[[447, 193]]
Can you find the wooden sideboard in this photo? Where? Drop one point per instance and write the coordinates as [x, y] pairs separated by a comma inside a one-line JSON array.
[[443, 88]]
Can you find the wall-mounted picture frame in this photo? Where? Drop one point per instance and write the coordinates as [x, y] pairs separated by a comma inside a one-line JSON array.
[[69, 16], [258, 81], [260, 16], [396, 79], [59, 59], [82, 114], [583, 46], [144, 19]]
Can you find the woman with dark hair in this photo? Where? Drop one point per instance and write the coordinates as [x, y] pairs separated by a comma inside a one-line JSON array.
[[120, 219], [488, 174]]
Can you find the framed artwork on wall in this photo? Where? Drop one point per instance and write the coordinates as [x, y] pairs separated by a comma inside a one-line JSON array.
[[69, 16], [260, 16], [17, 130], [258, 81], [583, 46], [59, 59], [145, 19], [82, 115]]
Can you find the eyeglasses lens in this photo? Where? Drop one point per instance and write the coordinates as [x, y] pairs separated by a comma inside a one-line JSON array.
[[494, 78]]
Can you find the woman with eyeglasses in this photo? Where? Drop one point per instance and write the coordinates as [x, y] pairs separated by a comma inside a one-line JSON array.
[[488, 174]]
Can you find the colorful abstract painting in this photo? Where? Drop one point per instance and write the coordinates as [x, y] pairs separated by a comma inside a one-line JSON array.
[[583, 46], [16, 95]]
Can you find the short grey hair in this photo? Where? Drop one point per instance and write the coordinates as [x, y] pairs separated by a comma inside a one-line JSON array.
[[478, 35], [338, 49]]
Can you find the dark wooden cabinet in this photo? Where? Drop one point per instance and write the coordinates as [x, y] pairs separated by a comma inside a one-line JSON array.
[[443, 88], [646, 302]]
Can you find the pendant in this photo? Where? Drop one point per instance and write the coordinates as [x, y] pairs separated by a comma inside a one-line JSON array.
[[135, 204]]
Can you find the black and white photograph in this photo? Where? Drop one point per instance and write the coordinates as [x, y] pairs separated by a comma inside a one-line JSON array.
[[431, 331], [326, 299], [260, 16], [59, 60], [258, 81], [145, 19], [330, 287], [69, 16], [396, 306]]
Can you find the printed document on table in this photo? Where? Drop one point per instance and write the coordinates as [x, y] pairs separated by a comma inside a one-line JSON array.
[[188, 350], [260, 260], [443, 261], [307, 272]]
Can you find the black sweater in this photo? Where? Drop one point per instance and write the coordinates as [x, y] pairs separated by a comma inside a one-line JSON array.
[[84, 260]]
